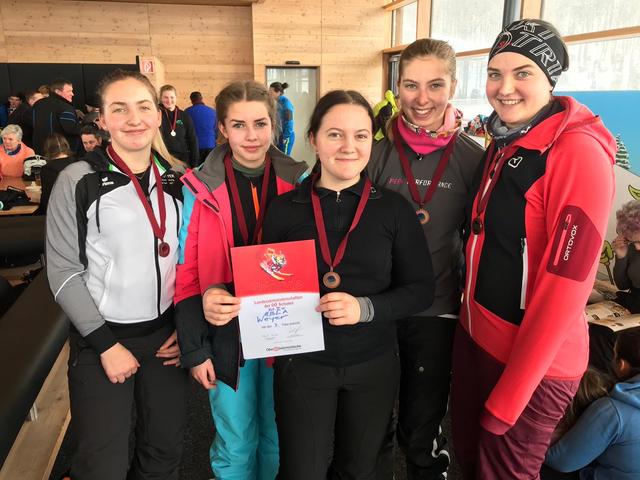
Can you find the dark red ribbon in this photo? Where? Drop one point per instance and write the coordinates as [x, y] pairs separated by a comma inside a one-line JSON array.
[[175, 117], [492, 170], [322, 232], [406, 167], [237, 204], [158, 230]]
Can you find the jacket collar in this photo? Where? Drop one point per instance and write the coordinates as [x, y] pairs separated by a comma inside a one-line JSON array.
[[100, 162], [54, 95], [303, 193]]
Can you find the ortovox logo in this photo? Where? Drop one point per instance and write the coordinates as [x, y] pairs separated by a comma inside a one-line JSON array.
[[514, 162]]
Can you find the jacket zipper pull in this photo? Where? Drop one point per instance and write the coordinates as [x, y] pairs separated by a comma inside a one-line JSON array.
[[338, 197]]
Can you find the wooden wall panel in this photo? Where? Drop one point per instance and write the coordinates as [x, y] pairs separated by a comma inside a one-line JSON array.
[[343, 38], [201, 47]]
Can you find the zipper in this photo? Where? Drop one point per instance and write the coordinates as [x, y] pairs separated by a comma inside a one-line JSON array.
[[338, 197], [525, 272], [563, 235]]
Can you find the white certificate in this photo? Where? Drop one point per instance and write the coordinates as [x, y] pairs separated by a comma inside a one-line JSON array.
[[278, 286]]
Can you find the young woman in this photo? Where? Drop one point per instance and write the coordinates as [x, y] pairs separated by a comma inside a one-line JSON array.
[[112, 248], [537, 226], [429, 161], [285, 112], [13, 152], [177, 129], [59, 156], [225, 203], [333, 406], [605, 441]]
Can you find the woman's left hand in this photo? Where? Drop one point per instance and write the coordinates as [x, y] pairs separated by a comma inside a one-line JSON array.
[[340, 308], [170, 350]]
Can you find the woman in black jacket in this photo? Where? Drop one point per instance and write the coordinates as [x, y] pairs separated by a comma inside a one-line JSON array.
[[332, 407]]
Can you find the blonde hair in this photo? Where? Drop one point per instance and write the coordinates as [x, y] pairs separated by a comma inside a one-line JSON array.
[[118, 75]]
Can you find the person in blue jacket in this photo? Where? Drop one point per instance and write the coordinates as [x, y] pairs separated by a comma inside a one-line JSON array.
[[205, 121], [604, 443], [285, 111]]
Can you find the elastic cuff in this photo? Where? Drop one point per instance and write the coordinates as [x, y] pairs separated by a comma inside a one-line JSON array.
[[101, 339], [196, 357], [493, 424], [366, 309]]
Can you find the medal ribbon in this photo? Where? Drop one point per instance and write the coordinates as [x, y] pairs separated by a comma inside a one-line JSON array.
[[322, 233], [406, 167], [237, 204], [158, 230], [175, 117], [497, 167]]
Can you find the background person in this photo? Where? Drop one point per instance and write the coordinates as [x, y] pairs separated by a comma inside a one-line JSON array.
[[424, 146], [177, 129], [59, 156], [605, 441], [112, 248], [285, 112], [537, 225], [225, 203], [205, 123], [13, 152], [333, 406]]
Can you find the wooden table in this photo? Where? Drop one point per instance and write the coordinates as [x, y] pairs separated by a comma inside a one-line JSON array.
[[18, 182]]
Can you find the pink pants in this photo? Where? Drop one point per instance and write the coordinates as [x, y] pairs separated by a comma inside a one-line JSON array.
[[519, 453]]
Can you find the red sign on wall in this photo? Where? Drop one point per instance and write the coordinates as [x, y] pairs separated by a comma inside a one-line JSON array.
[[147, 66]]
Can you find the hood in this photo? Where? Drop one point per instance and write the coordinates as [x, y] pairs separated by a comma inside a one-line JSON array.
[[212, 172], [574, 118], [628, 392]]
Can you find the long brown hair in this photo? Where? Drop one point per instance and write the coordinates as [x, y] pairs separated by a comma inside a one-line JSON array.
[[118, 75]]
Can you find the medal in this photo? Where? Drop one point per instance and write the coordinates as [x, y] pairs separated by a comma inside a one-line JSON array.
[[492, 171], [164, 249], [158, 229], [175, 120], [237, 204], [422, 213], [331, 279]]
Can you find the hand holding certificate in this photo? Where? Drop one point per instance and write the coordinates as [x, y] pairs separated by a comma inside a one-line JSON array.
[[278, 285]]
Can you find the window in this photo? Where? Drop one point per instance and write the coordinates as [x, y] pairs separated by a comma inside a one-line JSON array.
[[466, 24], [602, 65], [470, 94], [404, 22], [571, 17]]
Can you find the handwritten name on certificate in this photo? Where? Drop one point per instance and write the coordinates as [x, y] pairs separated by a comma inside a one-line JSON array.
[[278, 286]]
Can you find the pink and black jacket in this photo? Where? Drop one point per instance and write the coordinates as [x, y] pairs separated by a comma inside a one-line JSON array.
[[532, 266], [206, 237]]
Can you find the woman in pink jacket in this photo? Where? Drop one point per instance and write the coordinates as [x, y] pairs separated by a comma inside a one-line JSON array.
[[224, 206]]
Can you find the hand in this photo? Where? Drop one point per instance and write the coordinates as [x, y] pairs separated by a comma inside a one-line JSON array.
[[170, 350], [118, 363], [205, 374], [340, 308], [620, 246], [220, 307]]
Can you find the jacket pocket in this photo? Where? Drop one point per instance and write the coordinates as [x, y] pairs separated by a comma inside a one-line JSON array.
[[525, 272], [104, 298]]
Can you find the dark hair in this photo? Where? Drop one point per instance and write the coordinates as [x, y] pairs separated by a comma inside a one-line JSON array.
[[90, 129], [279, 87], [593, 385], [628, 348], [195, 97], [19, 95], [56, 145], [245, 91], [330, 100], [425, 47], [58, 84], [30, 93]]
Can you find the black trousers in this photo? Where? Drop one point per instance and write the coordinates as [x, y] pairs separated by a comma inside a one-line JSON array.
[[101, 413], [426, 345], [332, 421]]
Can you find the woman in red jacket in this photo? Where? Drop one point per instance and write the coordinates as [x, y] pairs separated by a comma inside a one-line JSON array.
[[536, 230], [225, 202]]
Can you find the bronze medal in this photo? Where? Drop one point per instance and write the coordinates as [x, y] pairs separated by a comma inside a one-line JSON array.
[[423, 216], [331, 279], [164, 249]]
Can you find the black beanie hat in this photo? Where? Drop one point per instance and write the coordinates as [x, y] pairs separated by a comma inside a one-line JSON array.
[[537, 40]]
